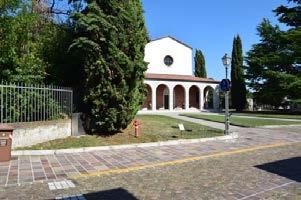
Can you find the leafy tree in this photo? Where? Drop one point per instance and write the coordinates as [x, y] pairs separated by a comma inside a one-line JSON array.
[[274, 64], [290, 16], [199, 63], [29, 43], [19, 60], [111, 37], [238, 86]]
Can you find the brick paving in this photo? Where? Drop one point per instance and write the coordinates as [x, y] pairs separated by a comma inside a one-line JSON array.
[[272, 173], [28, 169]]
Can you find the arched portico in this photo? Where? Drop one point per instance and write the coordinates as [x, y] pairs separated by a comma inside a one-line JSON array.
[[194, 97], [208, 97], [179, 97], [162, 97]]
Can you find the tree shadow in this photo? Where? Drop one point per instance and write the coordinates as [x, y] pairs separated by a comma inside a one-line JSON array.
[[114, 194], [289, 168]]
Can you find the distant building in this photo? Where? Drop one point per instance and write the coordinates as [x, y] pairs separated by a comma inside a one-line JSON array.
[[171, 85]]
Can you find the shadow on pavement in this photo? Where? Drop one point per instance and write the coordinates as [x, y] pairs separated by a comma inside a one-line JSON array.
[[289, 168], [114, 194]]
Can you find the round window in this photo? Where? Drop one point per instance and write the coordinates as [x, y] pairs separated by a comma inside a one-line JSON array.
[[168, 60]]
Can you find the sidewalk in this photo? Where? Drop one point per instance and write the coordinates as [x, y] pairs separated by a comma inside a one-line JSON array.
[[205, 122], [248, 116], [27, 169]]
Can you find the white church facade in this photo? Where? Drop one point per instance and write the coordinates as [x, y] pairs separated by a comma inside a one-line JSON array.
[[171, 85]]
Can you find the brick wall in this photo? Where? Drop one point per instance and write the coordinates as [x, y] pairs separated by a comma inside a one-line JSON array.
[[194, 97], [179, 97], [159, 93]]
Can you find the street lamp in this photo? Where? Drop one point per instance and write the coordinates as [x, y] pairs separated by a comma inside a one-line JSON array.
[[226, 62]]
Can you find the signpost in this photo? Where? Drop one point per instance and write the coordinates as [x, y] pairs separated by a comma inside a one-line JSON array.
[[225, 86]]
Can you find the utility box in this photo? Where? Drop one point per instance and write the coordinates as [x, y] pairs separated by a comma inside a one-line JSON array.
[[6, 135]]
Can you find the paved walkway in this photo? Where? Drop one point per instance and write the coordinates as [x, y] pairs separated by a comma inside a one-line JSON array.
[[249, 116], [271, 118], [205, 122], [28, 169], [270, 173], [214, 113]]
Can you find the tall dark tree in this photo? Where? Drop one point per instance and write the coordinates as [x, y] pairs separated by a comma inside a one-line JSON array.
[[111, 37], [274, 64], [238, 86], [199, 64]]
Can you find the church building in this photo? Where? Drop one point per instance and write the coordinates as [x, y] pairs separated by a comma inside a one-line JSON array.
[[171, 85]]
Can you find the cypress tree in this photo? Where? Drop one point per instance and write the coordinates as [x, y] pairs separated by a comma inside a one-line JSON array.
[[199, 64], [238, 87], [111, 37]]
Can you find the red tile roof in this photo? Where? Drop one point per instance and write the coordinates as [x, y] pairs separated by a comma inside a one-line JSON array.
[[179, 78]]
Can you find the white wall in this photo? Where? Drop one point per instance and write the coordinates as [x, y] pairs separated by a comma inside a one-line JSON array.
[[156, 51], [31, 133]]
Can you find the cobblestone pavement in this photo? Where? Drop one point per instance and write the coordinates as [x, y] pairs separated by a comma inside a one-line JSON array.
[[272, 173], [27, 169]]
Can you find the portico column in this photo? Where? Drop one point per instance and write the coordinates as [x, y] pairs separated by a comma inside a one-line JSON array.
[[170, 88], [201, 99], [186, 98], [154, 98]]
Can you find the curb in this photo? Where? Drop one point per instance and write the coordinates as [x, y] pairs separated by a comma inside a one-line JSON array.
[[116, 147], [277, 126]]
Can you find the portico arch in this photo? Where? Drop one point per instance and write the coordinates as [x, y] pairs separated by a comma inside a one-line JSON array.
[[208, 97], [194, 97], [179, 97], [162, 97], [147, 105]]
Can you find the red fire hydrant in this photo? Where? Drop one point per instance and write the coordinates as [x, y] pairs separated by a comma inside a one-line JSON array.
[[136, 124]]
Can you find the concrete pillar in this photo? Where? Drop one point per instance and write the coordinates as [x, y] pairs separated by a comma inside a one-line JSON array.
[[154, 98], [201, 97], [186, 98], [171, 96]]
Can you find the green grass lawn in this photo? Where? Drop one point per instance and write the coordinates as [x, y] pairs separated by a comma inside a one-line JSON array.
[[242, 121], [154, 128], [256, 114]]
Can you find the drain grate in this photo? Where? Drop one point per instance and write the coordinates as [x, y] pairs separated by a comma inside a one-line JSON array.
[[60, 185]]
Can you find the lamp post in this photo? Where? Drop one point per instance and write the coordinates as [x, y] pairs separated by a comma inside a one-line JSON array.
[[226, 62]]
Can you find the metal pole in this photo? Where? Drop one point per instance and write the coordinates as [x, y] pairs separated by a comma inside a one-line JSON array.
[[227, 108]]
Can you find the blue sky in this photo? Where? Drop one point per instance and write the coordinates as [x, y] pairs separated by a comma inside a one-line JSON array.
[[209, 25]]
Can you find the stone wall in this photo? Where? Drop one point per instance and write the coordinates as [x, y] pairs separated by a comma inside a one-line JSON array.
[[31, 133]]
